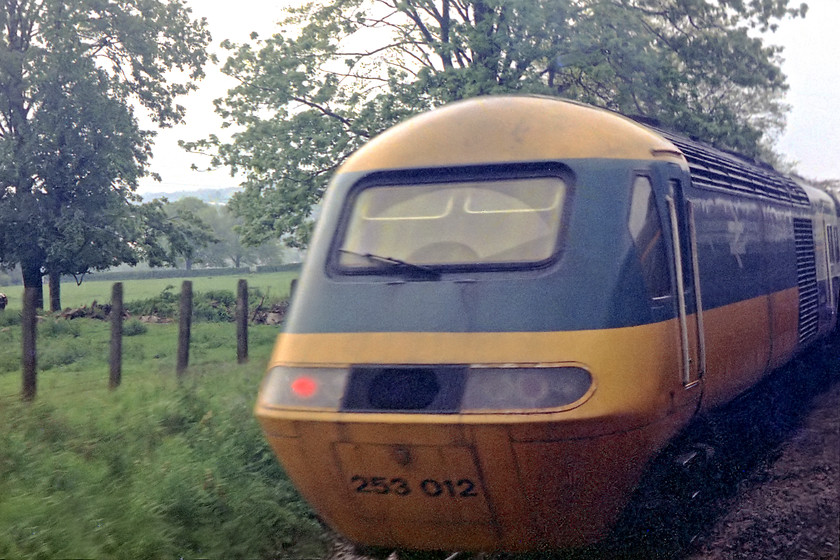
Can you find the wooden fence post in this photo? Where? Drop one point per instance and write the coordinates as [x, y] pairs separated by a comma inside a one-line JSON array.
[[184, 324], [115, 377], [242, 321], [28, 324]]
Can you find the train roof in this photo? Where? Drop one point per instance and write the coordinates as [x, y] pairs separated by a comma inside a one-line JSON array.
[[508, 129]]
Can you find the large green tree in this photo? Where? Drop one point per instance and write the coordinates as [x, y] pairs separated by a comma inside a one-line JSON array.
[[72, 74], [173, 231], [337, 73], [219, 244]]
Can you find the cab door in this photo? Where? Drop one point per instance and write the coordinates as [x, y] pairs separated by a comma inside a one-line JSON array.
[[662, 225], [688, 290]]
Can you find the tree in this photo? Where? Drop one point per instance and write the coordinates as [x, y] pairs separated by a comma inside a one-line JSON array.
[[228, 249], [310, 95], [172, 231], [197, 233], [71, 150], [222, 245], [81, 143]]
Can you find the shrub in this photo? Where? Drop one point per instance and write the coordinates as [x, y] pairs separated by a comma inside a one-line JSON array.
[[60, 353], [9, 318], [163, 305], [215, 306], [134, 327], [60, 327]]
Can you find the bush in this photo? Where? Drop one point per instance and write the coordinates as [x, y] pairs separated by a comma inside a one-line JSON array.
[[134, 327], [60, 353], [59, 327], [9, 318], [163, 305], [217, 306]]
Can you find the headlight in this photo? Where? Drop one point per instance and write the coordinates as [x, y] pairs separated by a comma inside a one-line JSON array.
[[425, 389], [304, 387], [517, 388]]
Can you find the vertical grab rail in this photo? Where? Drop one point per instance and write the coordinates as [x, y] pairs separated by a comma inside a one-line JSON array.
[[675, 239], [698, 294], [827, 255]]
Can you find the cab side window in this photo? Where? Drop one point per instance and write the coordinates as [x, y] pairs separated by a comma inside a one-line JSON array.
[[646, 228]]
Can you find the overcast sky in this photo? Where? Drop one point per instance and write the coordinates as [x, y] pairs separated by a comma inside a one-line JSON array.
[[812, 47]]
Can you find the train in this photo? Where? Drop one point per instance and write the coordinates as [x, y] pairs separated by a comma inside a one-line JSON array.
[[512, 304]]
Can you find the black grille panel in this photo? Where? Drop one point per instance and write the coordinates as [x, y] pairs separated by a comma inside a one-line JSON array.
[[717, 169], [806, 279], [405, 389]]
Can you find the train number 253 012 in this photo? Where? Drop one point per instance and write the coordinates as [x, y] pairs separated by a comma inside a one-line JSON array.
[[382, 485]]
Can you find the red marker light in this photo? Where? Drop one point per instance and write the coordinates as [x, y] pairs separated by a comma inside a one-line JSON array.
[[304, 387]]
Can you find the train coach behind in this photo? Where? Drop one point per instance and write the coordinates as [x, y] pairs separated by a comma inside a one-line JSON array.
[[511, 304]]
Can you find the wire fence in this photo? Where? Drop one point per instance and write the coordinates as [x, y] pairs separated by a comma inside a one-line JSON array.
[[29, 350]]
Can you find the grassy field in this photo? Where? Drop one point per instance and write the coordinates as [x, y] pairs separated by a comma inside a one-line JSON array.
[[158, 468], [274, 286]]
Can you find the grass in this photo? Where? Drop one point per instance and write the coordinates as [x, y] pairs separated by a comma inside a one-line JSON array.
[[158, 468], [274, 286]]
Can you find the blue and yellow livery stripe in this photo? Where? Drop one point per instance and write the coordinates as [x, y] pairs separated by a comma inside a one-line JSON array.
[[633, 354], [503, 129], [620, 376]]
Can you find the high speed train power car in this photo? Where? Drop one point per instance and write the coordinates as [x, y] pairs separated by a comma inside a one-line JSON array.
[[511, 304]]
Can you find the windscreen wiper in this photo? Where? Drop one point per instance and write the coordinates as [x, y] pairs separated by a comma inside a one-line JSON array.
[[398, 263]]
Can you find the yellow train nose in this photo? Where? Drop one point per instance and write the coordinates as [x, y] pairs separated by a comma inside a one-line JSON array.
[[460, 482]]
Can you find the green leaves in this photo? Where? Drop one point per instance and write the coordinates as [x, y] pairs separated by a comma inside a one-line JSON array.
[[71, 149], [338, 73]]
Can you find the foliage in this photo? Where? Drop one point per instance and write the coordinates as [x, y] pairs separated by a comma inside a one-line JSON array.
[[171, 231], [155, 469], [59, 327], [163, 305], [338, 73], [213, 306], [224, 245], [217, 306], [134, 327], [7, 279], [71, 149], [9, 318]]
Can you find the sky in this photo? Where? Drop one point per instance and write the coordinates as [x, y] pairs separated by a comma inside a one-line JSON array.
[[811, 139]]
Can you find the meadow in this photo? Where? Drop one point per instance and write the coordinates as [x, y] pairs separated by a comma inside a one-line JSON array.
[[157, 468], [274, 286]]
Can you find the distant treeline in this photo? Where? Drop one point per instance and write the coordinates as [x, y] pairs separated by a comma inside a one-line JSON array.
[[150, 273], [146, 274]]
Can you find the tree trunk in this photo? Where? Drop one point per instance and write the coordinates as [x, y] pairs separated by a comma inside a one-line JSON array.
[[29, 337], [33, 278], [55, 291], [242, 321], [184, 327]]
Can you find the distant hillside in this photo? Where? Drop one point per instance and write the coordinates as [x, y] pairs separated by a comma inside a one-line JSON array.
[[210, 196]]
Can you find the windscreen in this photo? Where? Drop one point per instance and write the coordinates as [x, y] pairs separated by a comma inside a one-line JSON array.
[[501, 222]]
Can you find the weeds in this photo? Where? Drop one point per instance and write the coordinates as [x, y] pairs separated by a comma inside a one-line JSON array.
[[155, 469], [9, 318], [134, 327]]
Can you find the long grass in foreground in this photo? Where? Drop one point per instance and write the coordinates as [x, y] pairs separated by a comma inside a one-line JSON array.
[[154, 469]]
